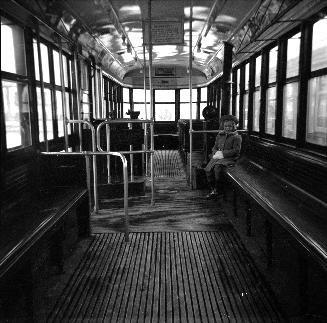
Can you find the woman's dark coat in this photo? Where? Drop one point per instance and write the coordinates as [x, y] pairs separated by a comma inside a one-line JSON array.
[[230, 145]]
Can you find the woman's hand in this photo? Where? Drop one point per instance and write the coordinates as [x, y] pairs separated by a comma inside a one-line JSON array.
[[218, 155]]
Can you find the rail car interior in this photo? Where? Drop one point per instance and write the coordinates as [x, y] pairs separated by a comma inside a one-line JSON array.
[[109, 113]]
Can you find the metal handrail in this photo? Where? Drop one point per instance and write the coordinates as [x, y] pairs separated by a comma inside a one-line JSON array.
[[107, 123], [87, 155], [95, 170]]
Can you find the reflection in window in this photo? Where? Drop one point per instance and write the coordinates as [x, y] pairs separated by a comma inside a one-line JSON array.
[[165, 95], [290, 110], [317, 111], [293, 53], [185, 111], [271, 111], [319, 45], [272, 64], [165, 112], [16, 114], [245, 110], [256, 110], [12, 48]]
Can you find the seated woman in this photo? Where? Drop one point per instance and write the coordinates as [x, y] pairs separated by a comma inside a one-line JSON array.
[[224, 153]]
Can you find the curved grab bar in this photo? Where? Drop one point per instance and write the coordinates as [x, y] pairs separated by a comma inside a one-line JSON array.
[[95, 170], [125, 175]]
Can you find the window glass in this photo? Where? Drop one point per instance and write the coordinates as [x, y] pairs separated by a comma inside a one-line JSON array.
[[140, 107], [247, 75], [238, 80], [319, 45], [185, 95], [293, 53], [125, 94], [272, 64], [56, 67], [245, 110], [45, 62], [202, 106], [59, 114], [12, 48], [68, 116], [290, 110], [185, 111], [237, 106], [316, 131], [17, 114], [138, 95], [165, 112], [64, 61], [256, 110], [204, 94], [48, 111], [270, 111], [165, 95], [257, 70]]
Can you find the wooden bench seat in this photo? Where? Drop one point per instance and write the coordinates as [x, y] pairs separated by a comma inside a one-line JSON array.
[[300, 213], [35, 236]]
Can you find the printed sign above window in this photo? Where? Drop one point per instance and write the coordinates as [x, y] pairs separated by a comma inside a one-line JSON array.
[[164, 71], [165, 32]]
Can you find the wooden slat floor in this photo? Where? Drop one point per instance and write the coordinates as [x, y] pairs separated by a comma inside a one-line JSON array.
[[166, 277], [184, 263]]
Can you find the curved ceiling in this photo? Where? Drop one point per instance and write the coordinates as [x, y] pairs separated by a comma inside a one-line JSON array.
[[114, 31]]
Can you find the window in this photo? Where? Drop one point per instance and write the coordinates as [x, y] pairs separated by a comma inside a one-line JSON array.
[[256, 94], [165, 112], [291, 91], [271, 92], [165, 96], [316, 128], [12, 48], [126, 104], [185, 104], [246, 96], [290, 110], [138, 103], [16, 113], [203, 100], [271, 110], [15, 93]]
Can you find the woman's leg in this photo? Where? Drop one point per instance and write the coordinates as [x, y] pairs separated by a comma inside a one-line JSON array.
[[218, 174]]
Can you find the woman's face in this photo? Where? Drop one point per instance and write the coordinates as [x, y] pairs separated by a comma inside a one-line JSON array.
[[229, 126]]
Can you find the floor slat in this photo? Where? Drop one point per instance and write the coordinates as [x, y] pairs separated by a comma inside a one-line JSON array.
[[166, 277]]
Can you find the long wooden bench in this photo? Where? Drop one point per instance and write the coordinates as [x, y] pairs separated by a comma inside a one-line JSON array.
[[36, 235], [289, 186]]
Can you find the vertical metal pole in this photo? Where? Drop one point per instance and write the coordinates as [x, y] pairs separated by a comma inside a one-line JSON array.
[[78, 101], [101, 105], [130, 126], [88, 180], [146, 112], [151, 101], [190, 86], [108, 156], [125, 174], [45, 133], [63, 95]]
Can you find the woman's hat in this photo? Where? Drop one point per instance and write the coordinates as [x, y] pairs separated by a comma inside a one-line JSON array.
[[229, 117]]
